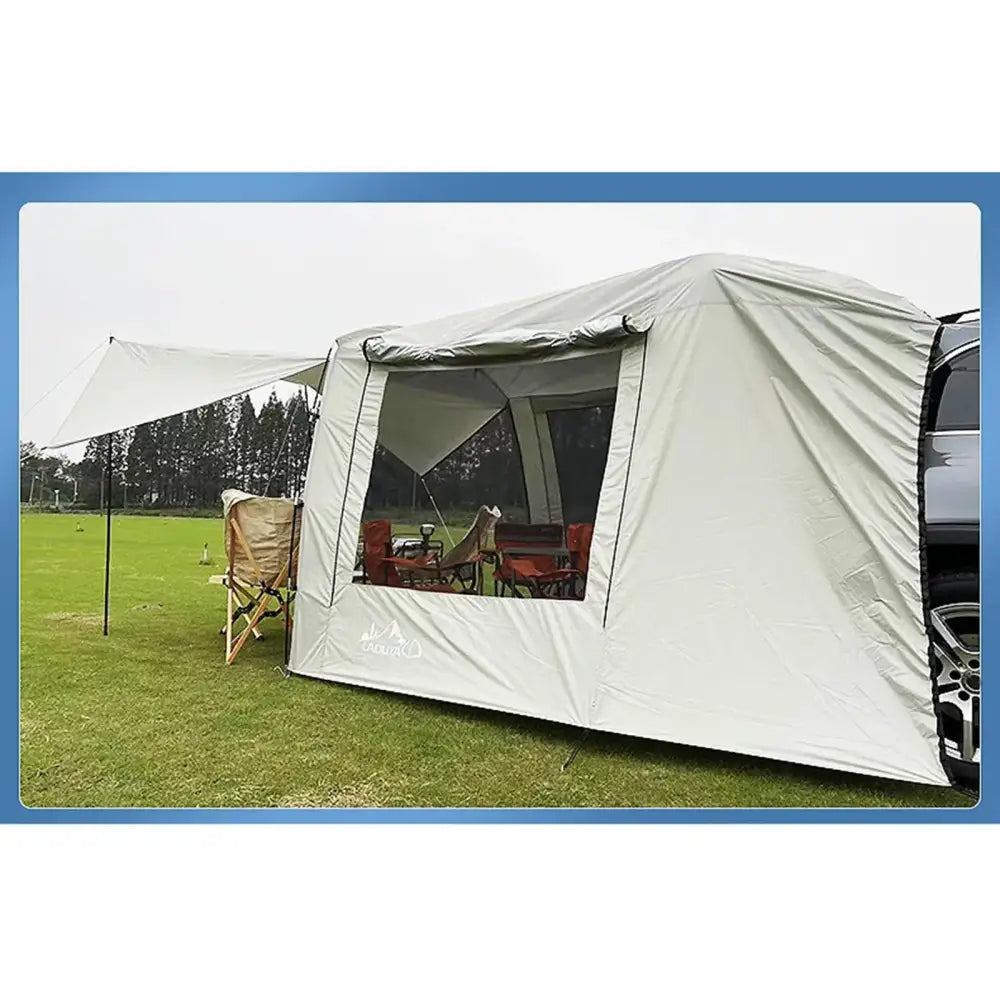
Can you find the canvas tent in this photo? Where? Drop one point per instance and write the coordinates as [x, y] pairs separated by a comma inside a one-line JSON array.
[[755, 581], [755, 573]]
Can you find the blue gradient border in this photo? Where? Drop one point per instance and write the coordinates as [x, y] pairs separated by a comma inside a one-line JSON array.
[[18, 189]]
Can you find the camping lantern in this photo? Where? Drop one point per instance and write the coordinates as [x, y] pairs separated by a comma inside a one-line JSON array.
[[426, 530]]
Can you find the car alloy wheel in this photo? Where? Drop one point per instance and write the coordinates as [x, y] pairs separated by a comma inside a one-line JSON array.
[[956, 647]]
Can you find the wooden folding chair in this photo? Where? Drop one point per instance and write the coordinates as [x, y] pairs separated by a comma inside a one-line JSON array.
[[262, 548]]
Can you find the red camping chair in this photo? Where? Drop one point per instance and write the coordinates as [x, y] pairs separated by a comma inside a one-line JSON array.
[[377, 551], [540, 574], [381, 568], [461, 564], [578, 539]]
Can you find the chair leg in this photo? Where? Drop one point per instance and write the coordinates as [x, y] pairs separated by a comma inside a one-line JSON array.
[[237, 593], [250, 629], [229, 618]]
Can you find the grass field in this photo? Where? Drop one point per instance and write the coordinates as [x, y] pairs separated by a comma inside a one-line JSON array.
[[150, 716]]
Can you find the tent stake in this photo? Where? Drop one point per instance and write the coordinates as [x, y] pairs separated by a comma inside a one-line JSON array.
[[569, 760], [107, 542]]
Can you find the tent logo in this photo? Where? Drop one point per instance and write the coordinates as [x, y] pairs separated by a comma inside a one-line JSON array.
[[389, 641]]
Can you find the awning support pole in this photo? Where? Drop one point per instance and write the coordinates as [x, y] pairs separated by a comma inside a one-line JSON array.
[[430, 496], [107, 540], [317, 402], [292, 584]]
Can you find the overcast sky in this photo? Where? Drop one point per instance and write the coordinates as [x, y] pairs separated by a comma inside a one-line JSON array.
[[294, 277]]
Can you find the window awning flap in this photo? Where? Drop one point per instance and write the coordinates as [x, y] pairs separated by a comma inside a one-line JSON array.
[[427, 415], [520, 344], [136, 383]]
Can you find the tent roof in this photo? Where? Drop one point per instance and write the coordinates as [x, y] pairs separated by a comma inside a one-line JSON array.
[[578, 333], [624, 303], [136, 383]]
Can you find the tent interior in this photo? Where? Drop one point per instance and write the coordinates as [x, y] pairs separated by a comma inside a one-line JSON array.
[[530, 439]]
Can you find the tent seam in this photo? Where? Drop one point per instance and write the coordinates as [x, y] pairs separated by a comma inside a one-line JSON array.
[[628, 472], [347, 483]]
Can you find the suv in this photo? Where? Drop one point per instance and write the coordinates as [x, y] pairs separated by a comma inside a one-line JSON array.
[[951, 487]]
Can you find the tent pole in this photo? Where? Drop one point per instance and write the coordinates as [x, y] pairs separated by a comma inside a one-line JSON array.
[[292, 584], [430, 496], [317, 402], [107, 539]]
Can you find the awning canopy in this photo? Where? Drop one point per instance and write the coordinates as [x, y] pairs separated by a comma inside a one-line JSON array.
[[136, 383]]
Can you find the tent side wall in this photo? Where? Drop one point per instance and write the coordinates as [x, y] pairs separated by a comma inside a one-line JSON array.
[[769, 597]]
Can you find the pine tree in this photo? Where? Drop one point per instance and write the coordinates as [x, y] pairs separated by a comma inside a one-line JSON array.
[[175, 459], [246, 437], [271, 430], [231, 407], [206, 435], [299, 437], [142, 465], [120, 442], [92, 470]]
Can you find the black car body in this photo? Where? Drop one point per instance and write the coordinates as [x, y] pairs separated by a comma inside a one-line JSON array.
[[951, 505]]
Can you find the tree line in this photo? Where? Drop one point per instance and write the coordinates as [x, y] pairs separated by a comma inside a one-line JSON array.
[[183, 461], [186, 461]]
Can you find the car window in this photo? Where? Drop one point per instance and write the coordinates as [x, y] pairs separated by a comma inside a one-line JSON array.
[[955, 394]]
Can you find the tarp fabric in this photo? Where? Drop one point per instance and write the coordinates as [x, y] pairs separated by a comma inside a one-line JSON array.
[[136, 383]]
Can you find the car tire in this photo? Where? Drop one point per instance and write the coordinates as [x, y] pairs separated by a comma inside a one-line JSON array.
[[954, 601]]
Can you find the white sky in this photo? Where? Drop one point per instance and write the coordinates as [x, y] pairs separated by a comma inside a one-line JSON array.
[[295, 277]]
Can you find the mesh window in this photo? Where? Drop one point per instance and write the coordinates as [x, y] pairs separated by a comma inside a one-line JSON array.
[[580, 440]]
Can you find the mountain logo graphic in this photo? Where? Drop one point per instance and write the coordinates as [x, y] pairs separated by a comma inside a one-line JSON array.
[[389, 641]]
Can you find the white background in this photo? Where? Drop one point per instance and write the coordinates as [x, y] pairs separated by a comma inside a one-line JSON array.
[[497, 911]]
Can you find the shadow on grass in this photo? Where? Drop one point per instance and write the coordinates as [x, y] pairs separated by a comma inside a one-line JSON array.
[[610, 747]]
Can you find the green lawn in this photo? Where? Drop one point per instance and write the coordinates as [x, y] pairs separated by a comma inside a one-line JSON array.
[[152, 717]]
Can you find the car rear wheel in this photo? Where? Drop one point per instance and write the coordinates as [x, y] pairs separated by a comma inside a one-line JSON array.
[[954, 600]]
